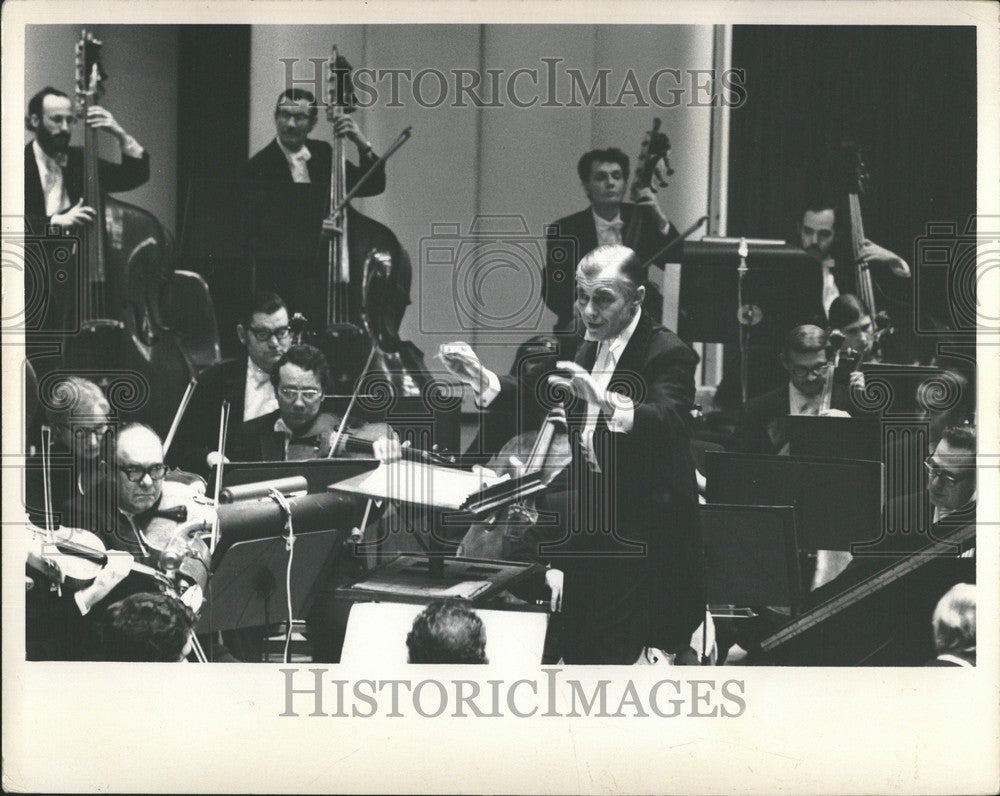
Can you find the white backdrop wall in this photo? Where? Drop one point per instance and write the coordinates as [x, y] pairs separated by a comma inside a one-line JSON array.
[[511, 162], [141, 92]]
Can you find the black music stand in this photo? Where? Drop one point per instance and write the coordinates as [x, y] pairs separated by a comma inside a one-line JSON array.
[[751, 557], [835, 437], [782, 284], [838, 502], [248, 581]]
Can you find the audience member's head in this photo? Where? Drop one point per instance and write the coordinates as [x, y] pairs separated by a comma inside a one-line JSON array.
[[148, 627], [447, 631], [803, 355], [954, 620]]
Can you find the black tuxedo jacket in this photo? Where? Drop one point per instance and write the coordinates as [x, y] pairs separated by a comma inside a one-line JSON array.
[[646, 488], [270, 166], [199, 430], [570, 238], [124, 176]]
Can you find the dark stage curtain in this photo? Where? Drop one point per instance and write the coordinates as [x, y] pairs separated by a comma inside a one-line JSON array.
[[906, 95]]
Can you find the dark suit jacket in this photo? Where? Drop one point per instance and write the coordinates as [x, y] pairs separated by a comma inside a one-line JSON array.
[[648, 480], [199, 430], [130, 173], [571, 238], [762, 428], [270, 166]]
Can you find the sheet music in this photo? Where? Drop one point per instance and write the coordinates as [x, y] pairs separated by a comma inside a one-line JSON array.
[[420, 483]]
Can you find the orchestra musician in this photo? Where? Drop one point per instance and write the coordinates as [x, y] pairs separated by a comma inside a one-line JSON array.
[[147, 627], [288, 199], [245, 382], [53, 170], [762, 427], [78, 413], [616, 607], [604, 175], [820, 237]]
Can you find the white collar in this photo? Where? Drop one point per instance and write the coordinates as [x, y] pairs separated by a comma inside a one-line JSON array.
[[603, 223], [798, 400], [255, 373], [303, 154]]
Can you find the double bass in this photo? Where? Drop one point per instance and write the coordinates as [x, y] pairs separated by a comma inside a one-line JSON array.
[[651, 171], [368, 279], [125, 261]]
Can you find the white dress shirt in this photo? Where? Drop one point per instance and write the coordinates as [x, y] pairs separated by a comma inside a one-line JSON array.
[[801, 404], [50, 170], [830, 289], [297, 162], [258, 396], [609, 233]]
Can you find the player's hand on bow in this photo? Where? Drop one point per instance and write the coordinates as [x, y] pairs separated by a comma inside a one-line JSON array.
[[580, 384], [115, 571]]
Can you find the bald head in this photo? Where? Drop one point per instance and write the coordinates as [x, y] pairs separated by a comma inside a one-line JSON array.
[[139, 468], [79, 415]]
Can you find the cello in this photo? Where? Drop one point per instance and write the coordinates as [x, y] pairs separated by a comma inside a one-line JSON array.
[[124, 264], [368, 279]]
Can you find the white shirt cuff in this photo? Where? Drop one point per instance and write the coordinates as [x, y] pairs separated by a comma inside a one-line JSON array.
[[623, 419], [489, 392], [81, 603], [131, 147], [664, 226]]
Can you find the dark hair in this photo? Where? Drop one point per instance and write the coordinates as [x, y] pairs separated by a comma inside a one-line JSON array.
[[963, 437], [146, 627], [447, 631], [817, 202], [261, 302], [308, 358], [36, 102], [296, 94], [845, 310], [804, 339], [611, 155]]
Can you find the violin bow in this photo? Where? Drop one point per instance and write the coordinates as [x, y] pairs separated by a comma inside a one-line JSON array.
[[223, 427], [179, 414]]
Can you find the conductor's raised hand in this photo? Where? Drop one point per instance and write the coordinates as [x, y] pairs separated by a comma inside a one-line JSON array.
[[463, 363], [578, 382]]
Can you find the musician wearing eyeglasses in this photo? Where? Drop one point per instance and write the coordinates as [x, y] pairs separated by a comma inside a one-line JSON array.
[[53, 170], [762, 427], [245, 382]]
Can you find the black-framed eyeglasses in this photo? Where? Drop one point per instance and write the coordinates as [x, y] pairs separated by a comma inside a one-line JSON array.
[[934, 471], [135, 473], [308, 394], [263, 335]]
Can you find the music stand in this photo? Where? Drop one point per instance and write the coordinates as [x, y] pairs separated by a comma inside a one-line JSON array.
[[835, 437], [781, 287], [248, 582], [838, 502], [751, 556]]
